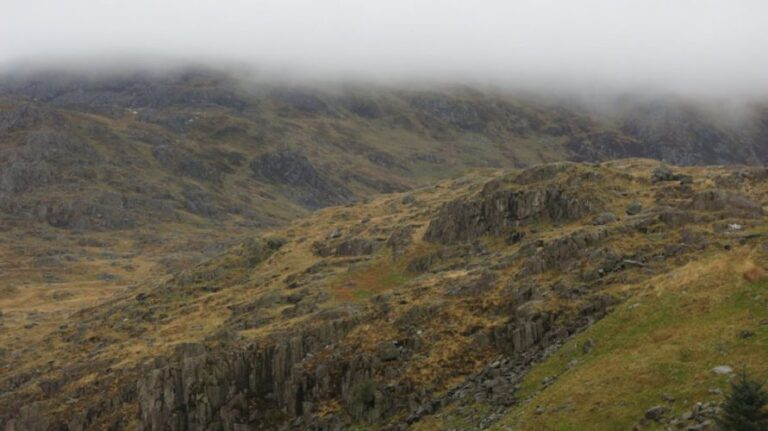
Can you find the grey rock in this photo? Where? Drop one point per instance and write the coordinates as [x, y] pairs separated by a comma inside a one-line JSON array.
[[500, 209], [722, 369], [604, 218], [388, 351], [408, 199], [663, 173], [399, 240], [656, 413], [634, 208]]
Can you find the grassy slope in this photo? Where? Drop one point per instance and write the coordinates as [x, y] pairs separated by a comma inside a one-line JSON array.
[[664, 340]]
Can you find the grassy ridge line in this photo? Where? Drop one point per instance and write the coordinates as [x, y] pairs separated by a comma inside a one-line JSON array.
[[664, 340]]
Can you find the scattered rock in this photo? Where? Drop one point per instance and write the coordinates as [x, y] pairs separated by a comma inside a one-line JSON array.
[[388, 351], [634, 208], [722, 369], [604, 218], [656, 413], [408, 199], [744, 334], [663, 173]]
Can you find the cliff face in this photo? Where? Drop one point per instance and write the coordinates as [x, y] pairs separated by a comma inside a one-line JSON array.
[[391, 314], [501, 207]]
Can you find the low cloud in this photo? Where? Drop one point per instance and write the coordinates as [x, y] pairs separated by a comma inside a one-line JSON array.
[[710, 47]]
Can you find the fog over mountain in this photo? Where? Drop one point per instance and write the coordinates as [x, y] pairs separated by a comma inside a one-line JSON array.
[[393, 215], [709, 47]]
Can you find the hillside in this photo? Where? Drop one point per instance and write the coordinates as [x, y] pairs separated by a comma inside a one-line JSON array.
[[550, 297], [199, 146], [149, 172]]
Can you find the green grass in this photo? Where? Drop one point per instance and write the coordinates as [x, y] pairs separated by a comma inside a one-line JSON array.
[[665, 341], [451, 420]]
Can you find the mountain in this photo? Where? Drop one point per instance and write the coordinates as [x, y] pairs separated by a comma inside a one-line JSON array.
[[206, 250], [563, 295], [117, 151]]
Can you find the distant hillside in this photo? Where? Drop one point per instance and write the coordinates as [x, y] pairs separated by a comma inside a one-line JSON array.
[[120, 151]]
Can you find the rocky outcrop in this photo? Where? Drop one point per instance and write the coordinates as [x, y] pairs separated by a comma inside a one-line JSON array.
[[562, 252], [499, 211], [201, 389]]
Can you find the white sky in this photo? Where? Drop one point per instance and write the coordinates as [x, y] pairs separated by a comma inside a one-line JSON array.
[[687, 45]]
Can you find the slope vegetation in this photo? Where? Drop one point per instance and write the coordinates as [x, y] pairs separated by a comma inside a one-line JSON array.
[[464, 305]]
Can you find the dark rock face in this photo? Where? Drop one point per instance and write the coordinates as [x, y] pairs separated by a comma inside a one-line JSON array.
[[286, 168], [302, 100], [45, 158], [474, 116], [295, 170], [186, 163], [606, 146], [363, 108], [462, 115], [681, 135], [501, 211], [280, 384], [199, 389]]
